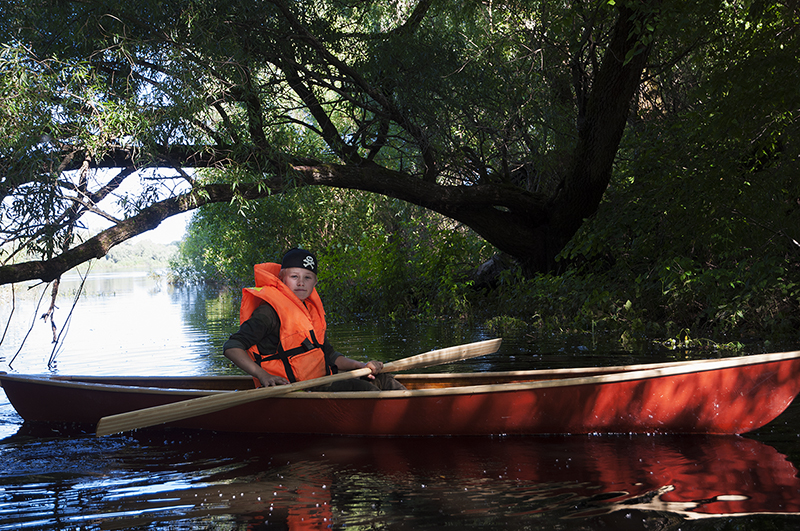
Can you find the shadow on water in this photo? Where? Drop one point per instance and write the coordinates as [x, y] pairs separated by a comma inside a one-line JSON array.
[[175, 479]]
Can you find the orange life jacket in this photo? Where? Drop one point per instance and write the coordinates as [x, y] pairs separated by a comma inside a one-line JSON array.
[[299, 355]]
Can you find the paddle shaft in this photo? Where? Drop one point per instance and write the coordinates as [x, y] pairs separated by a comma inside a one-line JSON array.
[[194, 407]]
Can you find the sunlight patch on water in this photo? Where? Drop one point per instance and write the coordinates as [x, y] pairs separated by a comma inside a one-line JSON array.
[[144, 486]]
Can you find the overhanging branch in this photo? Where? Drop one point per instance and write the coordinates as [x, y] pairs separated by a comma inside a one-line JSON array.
[[482, 207], [148, 219]]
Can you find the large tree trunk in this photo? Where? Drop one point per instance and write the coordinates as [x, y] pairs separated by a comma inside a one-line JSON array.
[[531, 227], [601, 130]]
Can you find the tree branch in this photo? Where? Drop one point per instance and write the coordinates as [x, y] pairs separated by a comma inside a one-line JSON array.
[[148, 219], [479, 206], [421, 139]]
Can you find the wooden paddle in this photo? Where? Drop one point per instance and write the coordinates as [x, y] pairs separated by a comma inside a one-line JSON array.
[[194, 407]]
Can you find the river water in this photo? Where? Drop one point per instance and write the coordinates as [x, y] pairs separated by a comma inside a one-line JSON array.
[[135, 324]]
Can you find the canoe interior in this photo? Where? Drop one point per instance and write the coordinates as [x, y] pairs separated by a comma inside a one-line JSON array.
[[411, 381]]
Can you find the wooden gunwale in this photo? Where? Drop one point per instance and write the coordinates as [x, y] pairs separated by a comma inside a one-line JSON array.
[[80, 382]]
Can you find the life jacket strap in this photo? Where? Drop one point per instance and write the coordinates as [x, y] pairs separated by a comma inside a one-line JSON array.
[[284, 355]]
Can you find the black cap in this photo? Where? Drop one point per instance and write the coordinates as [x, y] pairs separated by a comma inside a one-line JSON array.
[[300, 258]]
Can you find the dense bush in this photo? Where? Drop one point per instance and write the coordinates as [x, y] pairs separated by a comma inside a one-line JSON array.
[[639, 269], [379, 256]]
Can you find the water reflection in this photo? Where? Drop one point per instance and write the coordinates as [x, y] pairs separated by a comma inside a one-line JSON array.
[[133, 323], [199, 479]]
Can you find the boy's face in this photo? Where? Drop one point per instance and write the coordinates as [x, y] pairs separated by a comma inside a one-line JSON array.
[[301, 281]]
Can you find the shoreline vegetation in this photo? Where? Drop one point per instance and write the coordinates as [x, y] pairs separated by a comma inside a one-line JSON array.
[[141, 254], [387, 260], [681, 309]]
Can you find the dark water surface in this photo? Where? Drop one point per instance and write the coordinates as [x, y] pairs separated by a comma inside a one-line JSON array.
[[171, 479]]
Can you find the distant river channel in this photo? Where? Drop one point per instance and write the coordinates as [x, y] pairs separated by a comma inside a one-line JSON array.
[[134, 323]]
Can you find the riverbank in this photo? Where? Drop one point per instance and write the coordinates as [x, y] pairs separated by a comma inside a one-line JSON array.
[[143, 255]]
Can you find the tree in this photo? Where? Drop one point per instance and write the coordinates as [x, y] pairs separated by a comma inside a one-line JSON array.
[[506, 117]]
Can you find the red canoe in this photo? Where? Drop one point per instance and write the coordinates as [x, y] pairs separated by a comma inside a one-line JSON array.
[[725, 396]]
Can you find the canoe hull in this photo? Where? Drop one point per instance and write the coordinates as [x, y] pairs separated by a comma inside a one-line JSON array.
[[717, 397]]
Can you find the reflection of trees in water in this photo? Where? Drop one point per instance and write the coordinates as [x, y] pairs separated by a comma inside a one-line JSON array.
[[173, 477], [213, 315], [507, 481]]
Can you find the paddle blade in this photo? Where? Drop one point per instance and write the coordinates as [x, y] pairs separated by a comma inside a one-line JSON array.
[[444, 355]]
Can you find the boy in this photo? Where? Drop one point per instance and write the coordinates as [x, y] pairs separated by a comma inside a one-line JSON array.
[[282, 338]]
